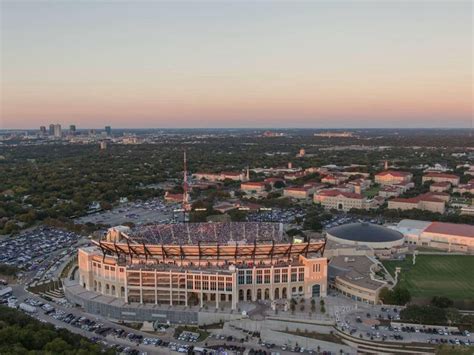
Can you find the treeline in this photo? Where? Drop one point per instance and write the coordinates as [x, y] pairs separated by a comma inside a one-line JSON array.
[[439, 312], [21, 334]]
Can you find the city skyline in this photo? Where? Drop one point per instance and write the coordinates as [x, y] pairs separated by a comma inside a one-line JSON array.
[[344, 64]]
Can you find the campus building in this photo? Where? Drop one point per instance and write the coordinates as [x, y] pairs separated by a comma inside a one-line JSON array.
[[204, 264], [224, 175], [433, 202], [341, 200], [440, 235], [441, 177], [299, 193], [355, 277], [391, 177], [253, 187]]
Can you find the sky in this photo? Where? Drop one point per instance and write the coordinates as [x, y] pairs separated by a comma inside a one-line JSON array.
[[158, 64]]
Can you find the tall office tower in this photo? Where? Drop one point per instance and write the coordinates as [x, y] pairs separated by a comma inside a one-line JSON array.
[[42, 130], [57, 130], [51, 129], [72, 129], [108, 131]]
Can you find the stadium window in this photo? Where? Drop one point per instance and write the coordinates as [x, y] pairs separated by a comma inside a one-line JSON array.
[[241, 279], [293, 277], [276, 278], [284, 277], [301, 276], [249, 278], [221, 286]]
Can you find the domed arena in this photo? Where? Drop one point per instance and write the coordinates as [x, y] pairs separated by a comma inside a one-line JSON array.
[[371, 235]]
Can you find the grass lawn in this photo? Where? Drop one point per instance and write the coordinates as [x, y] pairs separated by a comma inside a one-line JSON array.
[[372, 192], [437, 275]]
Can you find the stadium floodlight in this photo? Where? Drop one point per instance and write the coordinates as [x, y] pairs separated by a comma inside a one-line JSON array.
[[200, 209], [244, 209], [265, 209], [178, 210]]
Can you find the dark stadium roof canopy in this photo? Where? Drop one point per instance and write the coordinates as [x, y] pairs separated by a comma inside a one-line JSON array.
[[365, 232]]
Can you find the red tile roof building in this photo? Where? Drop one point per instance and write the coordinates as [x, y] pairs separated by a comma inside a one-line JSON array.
[[253, 187], [446, 236], [441, 177], [340, 200], [465, 188], [449, 236], [300, 193], [390, 177], [434, 202], [440, 186]]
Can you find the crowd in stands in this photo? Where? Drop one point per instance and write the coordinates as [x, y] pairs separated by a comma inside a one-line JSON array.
[[222, 233]]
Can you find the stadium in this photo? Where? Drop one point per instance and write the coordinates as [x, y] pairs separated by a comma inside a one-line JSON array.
[[370, 235], [203, 264]]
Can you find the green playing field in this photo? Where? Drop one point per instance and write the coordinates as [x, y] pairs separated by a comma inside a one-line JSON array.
[[437, 275]]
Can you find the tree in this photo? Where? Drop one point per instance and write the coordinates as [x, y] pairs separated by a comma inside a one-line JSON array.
[[441, 302], [279, 185], [398, 295]]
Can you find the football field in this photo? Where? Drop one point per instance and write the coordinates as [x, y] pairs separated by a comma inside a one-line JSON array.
[[436, 275]]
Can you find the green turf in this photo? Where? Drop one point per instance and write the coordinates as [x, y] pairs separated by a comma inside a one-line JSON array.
[[437, 275], [372, 192]]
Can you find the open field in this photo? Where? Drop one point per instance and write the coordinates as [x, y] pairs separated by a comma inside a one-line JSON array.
[[437, 275]]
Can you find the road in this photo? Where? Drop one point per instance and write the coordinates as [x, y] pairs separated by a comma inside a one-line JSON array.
[[22, 294]]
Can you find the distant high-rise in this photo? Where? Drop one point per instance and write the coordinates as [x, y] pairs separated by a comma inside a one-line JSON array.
[[108, 131], [72, 129], [51, 129], [42, 130], [57, 130]]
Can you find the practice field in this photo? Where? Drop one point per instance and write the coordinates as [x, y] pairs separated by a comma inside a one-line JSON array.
[[437, 275]]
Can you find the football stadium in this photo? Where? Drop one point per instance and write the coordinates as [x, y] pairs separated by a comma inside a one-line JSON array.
[[203, 264]]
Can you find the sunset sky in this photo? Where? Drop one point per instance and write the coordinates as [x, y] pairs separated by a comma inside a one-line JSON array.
[[163, 64]]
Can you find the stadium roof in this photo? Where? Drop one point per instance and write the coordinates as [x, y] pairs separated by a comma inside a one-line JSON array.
[[365, 232]]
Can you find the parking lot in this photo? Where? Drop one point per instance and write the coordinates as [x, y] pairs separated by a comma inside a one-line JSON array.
[[384, 324], [286, 216], [139, 212], [38, 253]]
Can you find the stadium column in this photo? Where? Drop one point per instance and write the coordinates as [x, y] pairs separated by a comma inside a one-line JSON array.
[[289, 292], [272, 285], [156, 287], [141, 288], [217, 292], [254, 280], [186, 288], [202, 296], [126, 285], [234, 290], [171, 289]]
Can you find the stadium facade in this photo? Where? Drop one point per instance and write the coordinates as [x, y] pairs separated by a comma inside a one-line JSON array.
[[203, 264]]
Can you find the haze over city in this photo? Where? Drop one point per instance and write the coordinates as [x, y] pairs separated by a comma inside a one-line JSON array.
[[236, 64]]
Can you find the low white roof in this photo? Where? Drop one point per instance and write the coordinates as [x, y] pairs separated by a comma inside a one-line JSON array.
[[412, 226]]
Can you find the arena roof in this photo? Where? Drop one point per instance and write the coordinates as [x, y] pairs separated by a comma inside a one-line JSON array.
[[365, 232]]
